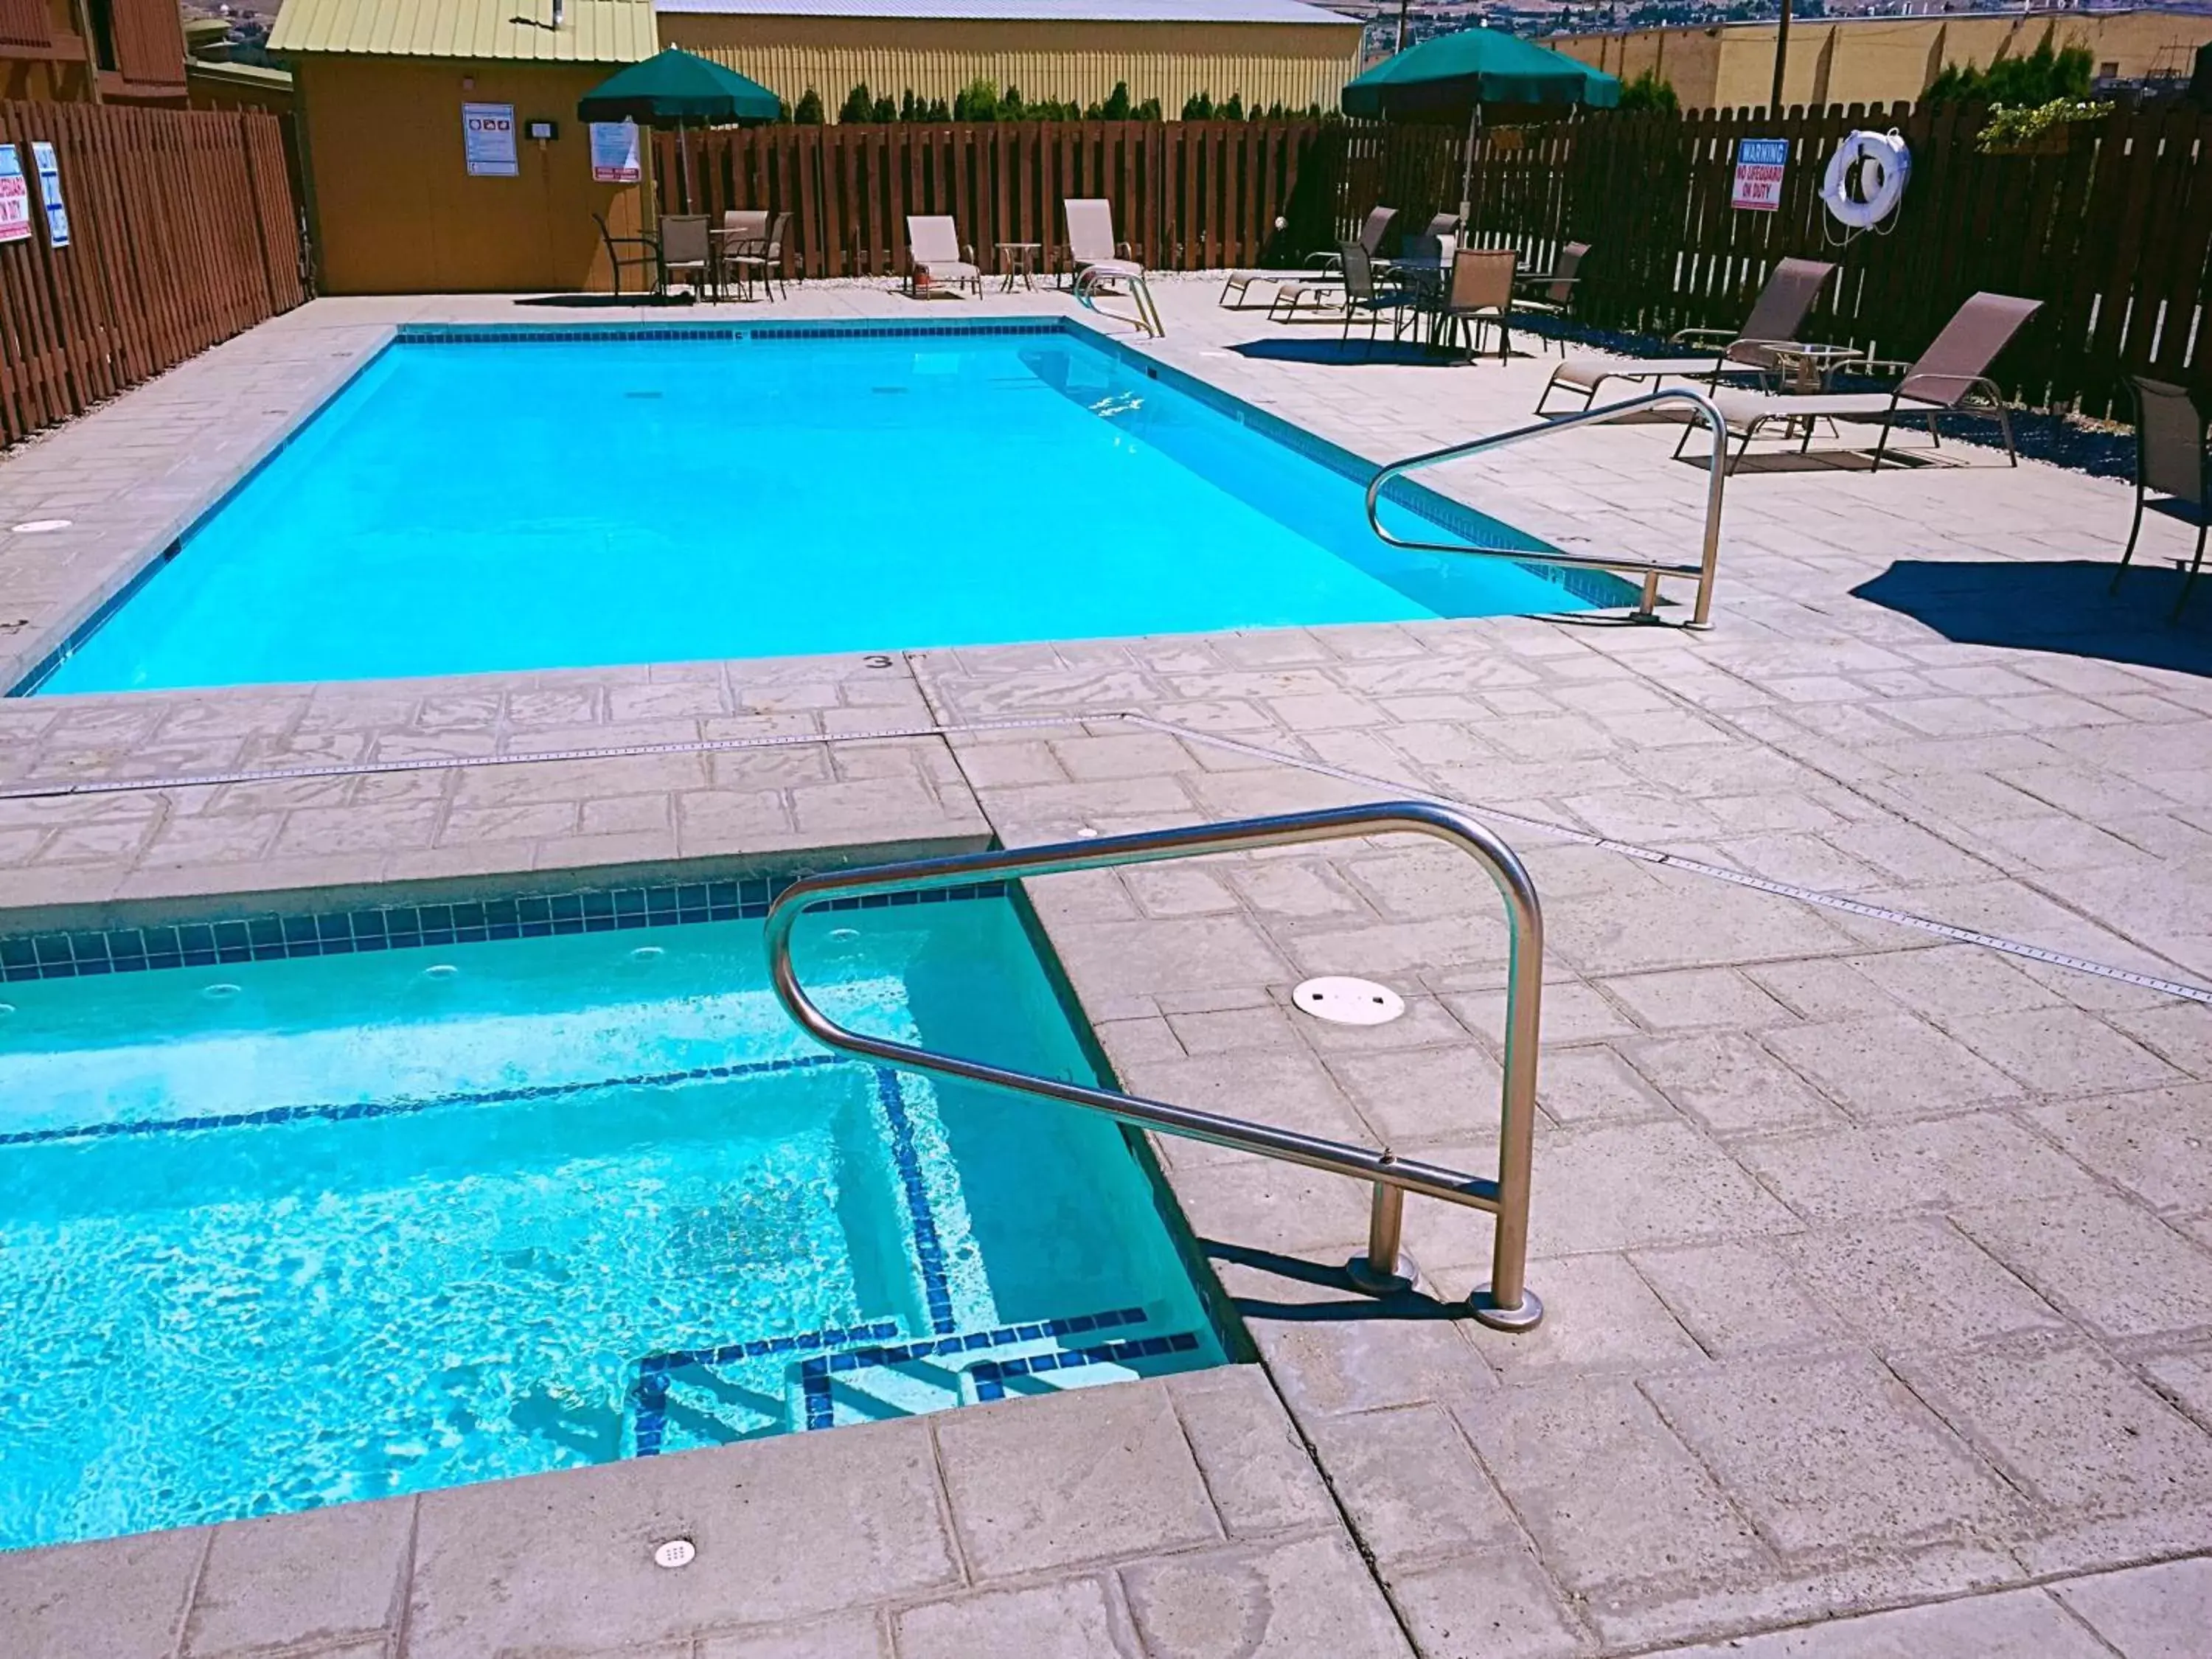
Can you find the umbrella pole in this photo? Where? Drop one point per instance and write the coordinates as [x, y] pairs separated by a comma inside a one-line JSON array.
[[684, 150], [1467, 172]]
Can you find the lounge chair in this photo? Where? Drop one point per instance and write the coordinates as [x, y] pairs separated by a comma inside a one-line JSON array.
[[1776, 317], [1322, 270], [2172, 460], [1939, 381], [1098, 258], [935, 257]]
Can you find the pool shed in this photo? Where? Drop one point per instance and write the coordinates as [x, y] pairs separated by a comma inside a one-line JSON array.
[[441, 143]]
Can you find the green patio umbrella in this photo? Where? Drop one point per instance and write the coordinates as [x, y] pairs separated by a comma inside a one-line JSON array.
[[1467, 69], [1472, 67], [680, 89]]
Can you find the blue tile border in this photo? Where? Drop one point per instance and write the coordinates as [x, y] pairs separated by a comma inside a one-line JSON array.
[[437, 334], [352, 1111], [991, 1375], [928, 1249], [280, 936]]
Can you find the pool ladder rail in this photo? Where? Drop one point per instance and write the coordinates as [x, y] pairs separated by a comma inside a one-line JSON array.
[[1647, 608], [1506, 1302]]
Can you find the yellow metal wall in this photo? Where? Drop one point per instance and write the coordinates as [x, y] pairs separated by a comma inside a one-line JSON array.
[[1881, 60], [395, 209], [1293, 63]]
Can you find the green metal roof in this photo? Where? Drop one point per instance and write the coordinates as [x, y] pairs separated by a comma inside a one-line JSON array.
[[591, 31]]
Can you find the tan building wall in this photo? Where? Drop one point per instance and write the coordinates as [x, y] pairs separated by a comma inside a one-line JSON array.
[[1292, 63], [1881, 60], [395, 209]]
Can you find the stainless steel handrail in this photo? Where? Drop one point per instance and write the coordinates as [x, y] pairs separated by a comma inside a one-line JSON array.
[[1651, 569], [1506, 1302]]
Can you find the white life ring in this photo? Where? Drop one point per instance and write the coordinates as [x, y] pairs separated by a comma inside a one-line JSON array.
[[1866, 179]]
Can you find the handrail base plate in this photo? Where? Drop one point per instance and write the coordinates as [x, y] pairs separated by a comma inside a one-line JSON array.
[[1484, 1308]]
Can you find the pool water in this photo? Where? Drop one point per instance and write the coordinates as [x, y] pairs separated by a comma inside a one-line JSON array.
[[280, 1234], [467, 507]]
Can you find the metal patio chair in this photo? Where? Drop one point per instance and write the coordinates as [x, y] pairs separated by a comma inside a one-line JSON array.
[[686, 247], [2171, 461], [1551, 294], [642, 252], [760, 258], [1480, 290]]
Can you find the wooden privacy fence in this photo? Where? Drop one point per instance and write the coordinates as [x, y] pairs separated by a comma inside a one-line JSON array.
[[2112, 230], [1188, 194], [183, 232]]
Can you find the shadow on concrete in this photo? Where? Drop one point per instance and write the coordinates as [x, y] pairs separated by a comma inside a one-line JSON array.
[[606, 301], [2061, 607], [1349, 354], [1349, 1304]]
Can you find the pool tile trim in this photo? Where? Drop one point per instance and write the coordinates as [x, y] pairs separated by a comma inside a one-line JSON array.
[[351, 1111], [280, 937]]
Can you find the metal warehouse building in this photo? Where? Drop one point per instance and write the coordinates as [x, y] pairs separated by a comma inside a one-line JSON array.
[[1265, 52]]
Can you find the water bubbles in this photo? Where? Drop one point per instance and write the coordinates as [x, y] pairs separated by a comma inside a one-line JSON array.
[[220, 992], [647, 953], [441, 970]]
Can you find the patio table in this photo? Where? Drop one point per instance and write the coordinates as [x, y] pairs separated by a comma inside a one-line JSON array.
[[1017, 261]]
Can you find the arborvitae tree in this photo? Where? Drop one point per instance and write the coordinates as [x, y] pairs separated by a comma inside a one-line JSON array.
[[1116, 107], [910, 107], [809, 111], [859, 105], [1011, 108], [1234, 109], [886, 109], [939, 111], [1147, 111], [978, 101], [1198, 106]]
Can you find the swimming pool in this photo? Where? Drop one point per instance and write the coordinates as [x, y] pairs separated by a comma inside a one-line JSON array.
[[283, 1232], [489, 501]]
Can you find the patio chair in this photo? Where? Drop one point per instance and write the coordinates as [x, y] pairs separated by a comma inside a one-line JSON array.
[[1776, 316], [642, 252], [1096, 258], [1369, 294], [1954, 368], [686, 247], [760, 258], [1553, 295], [2170, 459], [1322, 270], [935, 257], [1480, 291]]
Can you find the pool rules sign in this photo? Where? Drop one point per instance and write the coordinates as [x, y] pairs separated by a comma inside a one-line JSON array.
[[15, 198], [1759, 165], [488, 141]]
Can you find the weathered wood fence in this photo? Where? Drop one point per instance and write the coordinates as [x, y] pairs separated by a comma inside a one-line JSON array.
[[183, 232], [2112, 230], [1188, 194]]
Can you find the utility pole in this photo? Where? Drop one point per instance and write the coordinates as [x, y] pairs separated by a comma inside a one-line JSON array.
[[1400, 46], [1781, 58]]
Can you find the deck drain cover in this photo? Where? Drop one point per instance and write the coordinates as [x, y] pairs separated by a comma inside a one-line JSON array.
[[676, 1552], [42, 526], [1343, 1001]]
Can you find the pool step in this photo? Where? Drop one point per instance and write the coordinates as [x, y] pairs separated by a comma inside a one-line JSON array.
[[751, 1390]]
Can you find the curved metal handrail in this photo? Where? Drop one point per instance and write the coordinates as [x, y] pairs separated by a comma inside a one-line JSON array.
[[1651, 570], [1505, 1303]]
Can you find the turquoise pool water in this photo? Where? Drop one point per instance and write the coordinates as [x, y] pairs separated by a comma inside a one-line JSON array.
[[469, 506], [536, 1203]]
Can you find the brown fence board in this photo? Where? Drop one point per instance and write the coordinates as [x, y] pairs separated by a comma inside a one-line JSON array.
[[183, 232]]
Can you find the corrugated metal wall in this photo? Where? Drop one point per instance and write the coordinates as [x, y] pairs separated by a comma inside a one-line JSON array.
[[1294, 66]]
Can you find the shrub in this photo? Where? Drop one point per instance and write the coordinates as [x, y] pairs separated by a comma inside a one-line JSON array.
[[807, 113], [1648, 91], [859, 105], [2044, 74]]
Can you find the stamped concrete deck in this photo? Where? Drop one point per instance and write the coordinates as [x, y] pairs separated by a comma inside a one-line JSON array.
[[1879, 1266]]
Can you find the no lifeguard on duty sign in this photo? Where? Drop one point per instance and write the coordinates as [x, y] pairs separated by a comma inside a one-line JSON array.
[[1759, 165]]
